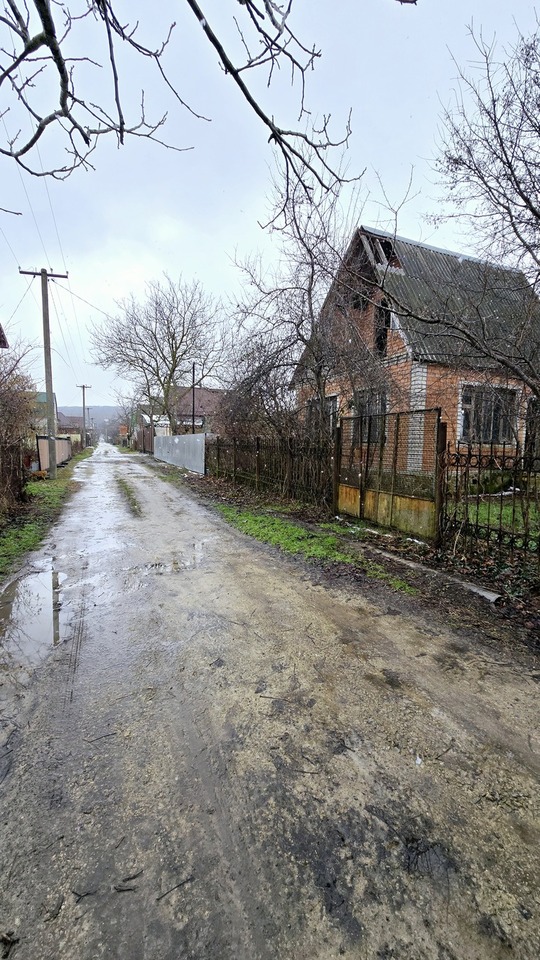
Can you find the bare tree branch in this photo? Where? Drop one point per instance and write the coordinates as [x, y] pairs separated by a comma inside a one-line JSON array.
[[29, 36]]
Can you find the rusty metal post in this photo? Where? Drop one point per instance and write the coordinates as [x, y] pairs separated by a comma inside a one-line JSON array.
[[257, 462], [440, 447], [336, 469], [394, 467]]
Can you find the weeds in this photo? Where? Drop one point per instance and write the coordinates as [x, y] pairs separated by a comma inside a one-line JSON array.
[[130, 496]]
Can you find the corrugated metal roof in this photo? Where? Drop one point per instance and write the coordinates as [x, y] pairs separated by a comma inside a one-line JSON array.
[[449, 288]]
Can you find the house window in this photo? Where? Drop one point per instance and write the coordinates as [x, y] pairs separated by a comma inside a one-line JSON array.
[[383, 251], [369, 409], [359, 301], [489, 414], [330, 412], [382, 326]]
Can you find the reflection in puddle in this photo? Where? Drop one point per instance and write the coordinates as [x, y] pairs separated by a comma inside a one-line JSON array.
[[30, 615]]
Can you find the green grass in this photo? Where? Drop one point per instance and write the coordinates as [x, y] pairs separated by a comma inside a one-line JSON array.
[[311, 545], [288, 536], [25, 532], [494, 513], [130, 496]]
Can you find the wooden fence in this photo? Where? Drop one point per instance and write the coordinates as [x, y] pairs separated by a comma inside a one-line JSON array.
[[291, 467]]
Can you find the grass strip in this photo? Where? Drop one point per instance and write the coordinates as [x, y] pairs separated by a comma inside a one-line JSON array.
[[25, 531], [286, 535], [130, 496], [311, 545]]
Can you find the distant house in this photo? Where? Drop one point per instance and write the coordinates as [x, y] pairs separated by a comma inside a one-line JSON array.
[[197, 410], [39, 417], [70, 427], [386, 283], [3, 339]]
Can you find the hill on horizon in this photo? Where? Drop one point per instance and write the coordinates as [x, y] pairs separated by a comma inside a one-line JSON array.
[[98, 413]]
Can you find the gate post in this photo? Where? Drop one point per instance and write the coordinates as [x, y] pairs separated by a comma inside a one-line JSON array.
[[441, 440], [257, 462], [336, 469]]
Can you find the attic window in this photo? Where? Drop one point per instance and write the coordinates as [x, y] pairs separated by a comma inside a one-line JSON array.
[[382, 326], [383, 251]]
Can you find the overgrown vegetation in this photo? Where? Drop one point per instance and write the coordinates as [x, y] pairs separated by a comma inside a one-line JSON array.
[[130, 496], [26, 529]]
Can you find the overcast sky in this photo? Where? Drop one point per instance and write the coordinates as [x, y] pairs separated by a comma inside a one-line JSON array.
[[146, 210]]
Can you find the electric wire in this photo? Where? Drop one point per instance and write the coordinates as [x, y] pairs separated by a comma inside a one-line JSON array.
[[34, 218], [21, 300], [29, 201], [87, 302], [10, 248], [64, 265], [68, 361]]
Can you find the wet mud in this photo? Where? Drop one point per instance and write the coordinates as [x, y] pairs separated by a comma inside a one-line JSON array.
[[206, 752]]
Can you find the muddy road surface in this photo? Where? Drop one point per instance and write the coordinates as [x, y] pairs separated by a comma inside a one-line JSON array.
[[207, 752]]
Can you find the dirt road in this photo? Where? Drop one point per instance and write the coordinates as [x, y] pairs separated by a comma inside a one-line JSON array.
[[207, 753]]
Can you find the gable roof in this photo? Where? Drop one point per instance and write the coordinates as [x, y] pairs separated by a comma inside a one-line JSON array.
[[69, 422], [207, 401], [420, 280]]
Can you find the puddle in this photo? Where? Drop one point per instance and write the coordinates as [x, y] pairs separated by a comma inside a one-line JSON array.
[[30, 616], [177, 565]]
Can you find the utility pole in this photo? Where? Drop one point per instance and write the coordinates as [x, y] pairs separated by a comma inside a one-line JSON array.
[[193, 398], [51, 421], [84, 387]]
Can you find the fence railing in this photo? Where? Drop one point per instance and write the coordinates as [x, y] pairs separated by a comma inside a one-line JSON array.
[[292, 467], [393, 470], [492, 500]]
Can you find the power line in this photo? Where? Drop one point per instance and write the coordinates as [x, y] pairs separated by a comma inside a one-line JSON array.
[[10, 247], [87, 302], [21, 300], [68, 362], [62, 255]]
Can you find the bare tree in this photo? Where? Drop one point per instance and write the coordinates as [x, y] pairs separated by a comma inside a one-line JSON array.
[[489, 163], [490, 152], [302, 316], [259, 400], [17, 393], [44, 63], [154, 344]]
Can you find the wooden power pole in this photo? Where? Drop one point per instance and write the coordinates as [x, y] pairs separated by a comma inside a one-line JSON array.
[[84, 387], [51, 420]]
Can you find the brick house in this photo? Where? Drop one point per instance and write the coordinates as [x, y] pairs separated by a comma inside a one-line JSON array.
[[385, 284], [197, 409]]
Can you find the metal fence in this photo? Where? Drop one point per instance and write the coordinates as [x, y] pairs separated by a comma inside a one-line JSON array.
[[292, 467], [492, 500], [395, 470], [393, 452], [388, 470]]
